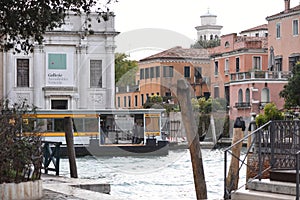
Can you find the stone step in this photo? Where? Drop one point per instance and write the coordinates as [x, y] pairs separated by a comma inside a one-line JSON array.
[[283, 175], [251, 195], [267, 185]]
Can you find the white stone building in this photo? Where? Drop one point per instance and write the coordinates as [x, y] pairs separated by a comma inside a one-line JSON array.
[[71, 70]]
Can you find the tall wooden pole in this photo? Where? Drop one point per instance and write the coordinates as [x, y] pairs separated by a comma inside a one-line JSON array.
[[70, 146], [232, 179], [188, 118]]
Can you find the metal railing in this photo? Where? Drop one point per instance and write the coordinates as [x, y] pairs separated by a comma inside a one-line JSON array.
[[274, 145], [51, 155], [242, 105], [297, 175]]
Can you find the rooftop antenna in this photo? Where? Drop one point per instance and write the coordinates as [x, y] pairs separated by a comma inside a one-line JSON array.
[[208, 8]]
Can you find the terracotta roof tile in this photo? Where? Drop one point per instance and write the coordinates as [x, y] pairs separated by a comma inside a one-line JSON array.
[[179, 53], [296, 8], [260, 27]]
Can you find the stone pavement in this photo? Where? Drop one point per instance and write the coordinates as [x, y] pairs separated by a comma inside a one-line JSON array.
[[50, 195], [62, 188]]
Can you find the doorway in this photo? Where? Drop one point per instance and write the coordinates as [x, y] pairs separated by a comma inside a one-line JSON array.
[[59, 104]]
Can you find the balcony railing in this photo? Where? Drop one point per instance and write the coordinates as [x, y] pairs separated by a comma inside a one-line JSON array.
[[242, 105], [242, 76]]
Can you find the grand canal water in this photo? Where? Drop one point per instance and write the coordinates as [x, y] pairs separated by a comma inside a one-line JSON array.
[[166, 177]]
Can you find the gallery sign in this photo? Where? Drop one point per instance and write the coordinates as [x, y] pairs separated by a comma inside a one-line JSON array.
[[59, 70]]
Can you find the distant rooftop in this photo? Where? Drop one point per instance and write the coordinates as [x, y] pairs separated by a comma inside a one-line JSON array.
[[257, 28], [291, 10], [179, 53]]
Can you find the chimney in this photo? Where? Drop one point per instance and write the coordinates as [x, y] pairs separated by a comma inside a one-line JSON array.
[[286, 5]]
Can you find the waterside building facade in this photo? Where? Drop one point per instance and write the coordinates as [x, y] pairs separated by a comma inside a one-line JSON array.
[[71, 70]]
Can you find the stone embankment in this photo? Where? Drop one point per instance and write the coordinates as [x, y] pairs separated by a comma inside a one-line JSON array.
[[62, 188]]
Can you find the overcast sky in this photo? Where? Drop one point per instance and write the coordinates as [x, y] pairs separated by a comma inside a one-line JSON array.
[[180, 17], [184, 15]]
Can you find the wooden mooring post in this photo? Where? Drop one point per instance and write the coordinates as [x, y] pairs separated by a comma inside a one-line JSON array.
[[232, 179], [70, 146], [188, 118]]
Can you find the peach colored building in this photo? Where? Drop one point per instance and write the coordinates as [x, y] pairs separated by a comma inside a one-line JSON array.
[[158, 75], [235, 55], [250, 71], [284, 37], [241, 74]]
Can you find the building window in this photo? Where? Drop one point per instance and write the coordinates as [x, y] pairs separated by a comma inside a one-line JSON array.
[[295, 27], [152, 72], [278, 64], [216, 92], [256, 62], [187, 73], [168, 71], [278, 35], [124, 102], [59, 104], [256, 34], [237, 64], [293, 59], [248, 96], [142, 99], [240, 96], [142, 74], [265, 96], [226, 44], [198, 72], [119, 102], [129, 101], [226, 67], [216, 68], [135, 100], [22, 72], [96, 73], [146, 73], [157, 71]]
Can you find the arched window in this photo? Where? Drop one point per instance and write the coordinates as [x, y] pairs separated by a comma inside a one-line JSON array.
[[247, 96], [240, 97], [201, 37], [216, 37], [265, 95], [204, 37], [211, 37], [226, 44]]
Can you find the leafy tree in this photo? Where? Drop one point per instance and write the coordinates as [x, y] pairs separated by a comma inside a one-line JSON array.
[[270, 113], [206, 44], [156, 101], [23, 22], [291, 91], [125, 70], [209, 105], [18, 151], [205, 107]]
